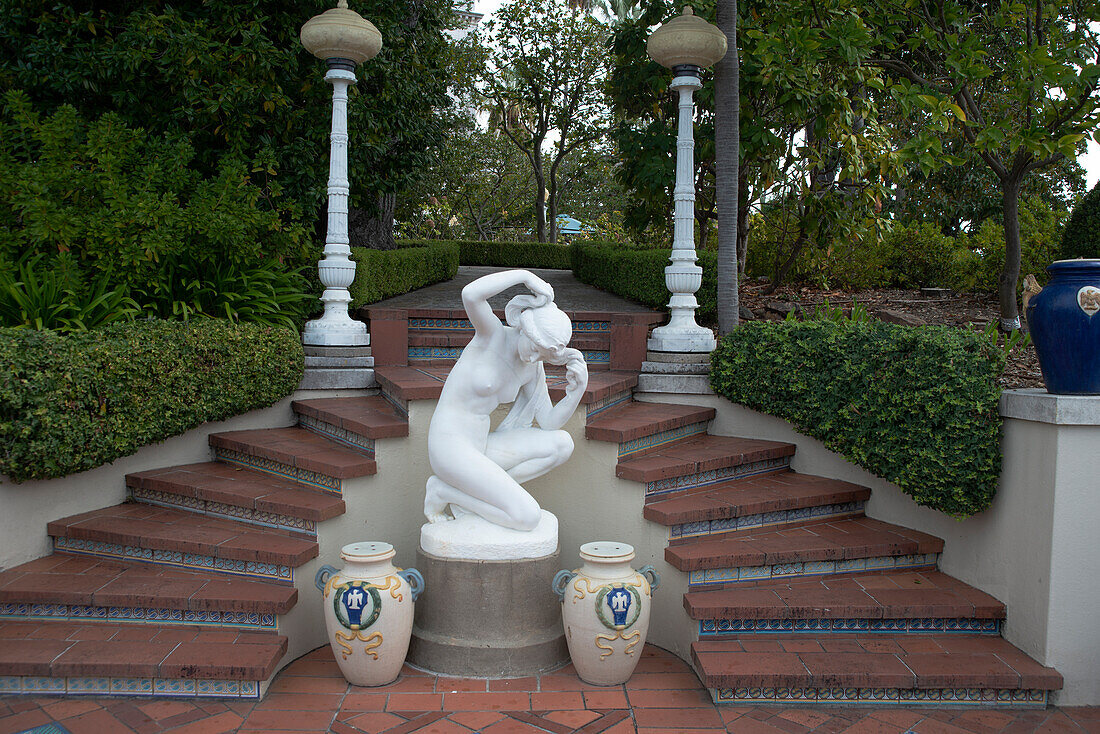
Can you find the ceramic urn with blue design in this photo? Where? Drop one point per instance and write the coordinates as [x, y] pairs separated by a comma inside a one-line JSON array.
[[1064, 321], [368, 607], [605, 610]]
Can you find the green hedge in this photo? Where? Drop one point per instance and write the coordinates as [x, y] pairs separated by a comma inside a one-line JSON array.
[[640, 275], [917, 407], [384, 273], [505, 254], [71, 403]]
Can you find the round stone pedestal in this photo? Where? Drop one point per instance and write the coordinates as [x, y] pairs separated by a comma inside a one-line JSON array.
[[487, 618]]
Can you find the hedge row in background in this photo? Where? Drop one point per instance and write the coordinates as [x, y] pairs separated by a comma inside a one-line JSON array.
[[72, 403], [917, 407], [640, 275], [506, 254], [384, 273]]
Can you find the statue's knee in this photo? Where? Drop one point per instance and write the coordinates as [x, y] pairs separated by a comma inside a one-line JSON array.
[[563, 445]]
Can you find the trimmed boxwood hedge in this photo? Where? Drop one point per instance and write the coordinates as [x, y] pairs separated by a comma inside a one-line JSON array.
[[384, 273], [640, 275], [71, 403], [505, 254], [915, 406]]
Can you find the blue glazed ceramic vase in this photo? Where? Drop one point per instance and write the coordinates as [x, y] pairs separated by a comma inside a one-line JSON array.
[[1064, 319]]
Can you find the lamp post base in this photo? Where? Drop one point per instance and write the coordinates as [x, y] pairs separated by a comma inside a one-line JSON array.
[[335, 333], [698, 340]]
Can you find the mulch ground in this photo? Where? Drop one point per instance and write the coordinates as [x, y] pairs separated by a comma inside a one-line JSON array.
[[973, 311]]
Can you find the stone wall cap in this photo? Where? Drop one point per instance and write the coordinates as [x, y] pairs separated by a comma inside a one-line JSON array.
[[1036, 404]]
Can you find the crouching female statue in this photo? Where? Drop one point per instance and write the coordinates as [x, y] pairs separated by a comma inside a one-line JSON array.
[[480, 471]]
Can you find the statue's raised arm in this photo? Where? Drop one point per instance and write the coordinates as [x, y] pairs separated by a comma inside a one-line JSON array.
[[478, 471]]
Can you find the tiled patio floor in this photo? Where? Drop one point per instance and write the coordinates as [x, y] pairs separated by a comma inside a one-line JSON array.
[[663, 696]]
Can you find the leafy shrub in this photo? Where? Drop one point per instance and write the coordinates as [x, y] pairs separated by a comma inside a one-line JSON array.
[[978, 268], [504, 254], [640, 275], [1081, 237], [917, 407], [125, 202], [267, 293], [47, 294], [918, 256], [72, 403], [383, 273]]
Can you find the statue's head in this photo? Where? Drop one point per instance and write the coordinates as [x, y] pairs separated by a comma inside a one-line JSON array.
[[544, 328]]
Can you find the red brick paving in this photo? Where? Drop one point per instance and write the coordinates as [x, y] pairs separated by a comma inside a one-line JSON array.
[[664, 696]]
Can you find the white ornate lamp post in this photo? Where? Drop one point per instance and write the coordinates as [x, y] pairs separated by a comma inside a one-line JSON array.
[[686, 44], [342, 38]]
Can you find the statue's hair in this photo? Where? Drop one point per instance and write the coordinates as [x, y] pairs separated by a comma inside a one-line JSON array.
[[540, 319]]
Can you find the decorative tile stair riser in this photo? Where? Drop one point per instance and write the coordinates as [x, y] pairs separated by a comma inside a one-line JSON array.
[[145, 687], [640, 446], [717, 628], [247, 569], [908, 697], [594, 357], [703, 578], [763, 520], [716, 476], [223, 510], [304, 477], [349, 439], [418, 323], [245, 621], [611, 401]]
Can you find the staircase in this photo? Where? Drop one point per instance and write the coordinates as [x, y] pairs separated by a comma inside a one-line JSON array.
[[179, 591], [796, 595]]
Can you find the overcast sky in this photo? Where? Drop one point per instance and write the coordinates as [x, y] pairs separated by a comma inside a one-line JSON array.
[[1090, 160]]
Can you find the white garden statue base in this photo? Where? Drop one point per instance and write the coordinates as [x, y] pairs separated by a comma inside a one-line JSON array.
[[475, 503], [474, 538]]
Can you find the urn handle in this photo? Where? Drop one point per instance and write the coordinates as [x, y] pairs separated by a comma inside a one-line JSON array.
[[561, 580], [322, 576], [651, 573], [415, 580]]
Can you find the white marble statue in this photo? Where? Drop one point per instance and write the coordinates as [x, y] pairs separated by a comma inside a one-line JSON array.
[[480, 472]]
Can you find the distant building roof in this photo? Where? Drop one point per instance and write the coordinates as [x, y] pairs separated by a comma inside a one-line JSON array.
[[467, 19]]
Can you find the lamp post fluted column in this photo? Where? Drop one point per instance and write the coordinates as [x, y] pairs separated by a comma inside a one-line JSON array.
[[686, 44], [683, 276], [343, 39], [337, 271]]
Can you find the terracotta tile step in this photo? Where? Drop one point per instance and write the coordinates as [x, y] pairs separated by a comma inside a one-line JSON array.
[[784, 490], [838, 540], [635, 420], [64, 650], [371, 417], [84, 581], [460, 338], [296, 448], [168, 529], [903, 662], [218, 483], [707, 453], [425, 383], [892, 595]]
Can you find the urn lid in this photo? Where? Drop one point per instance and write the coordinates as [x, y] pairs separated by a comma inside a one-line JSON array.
[[607, 551], [1089, 267], [367, 552]]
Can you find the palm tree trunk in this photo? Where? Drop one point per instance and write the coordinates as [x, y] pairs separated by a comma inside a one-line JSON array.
[[727, 134]]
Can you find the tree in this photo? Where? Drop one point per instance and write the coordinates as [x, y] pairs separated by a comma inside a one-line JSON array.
[[231, 77], [795, 77], [727, 145], [544, 75], [1019, 80]]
